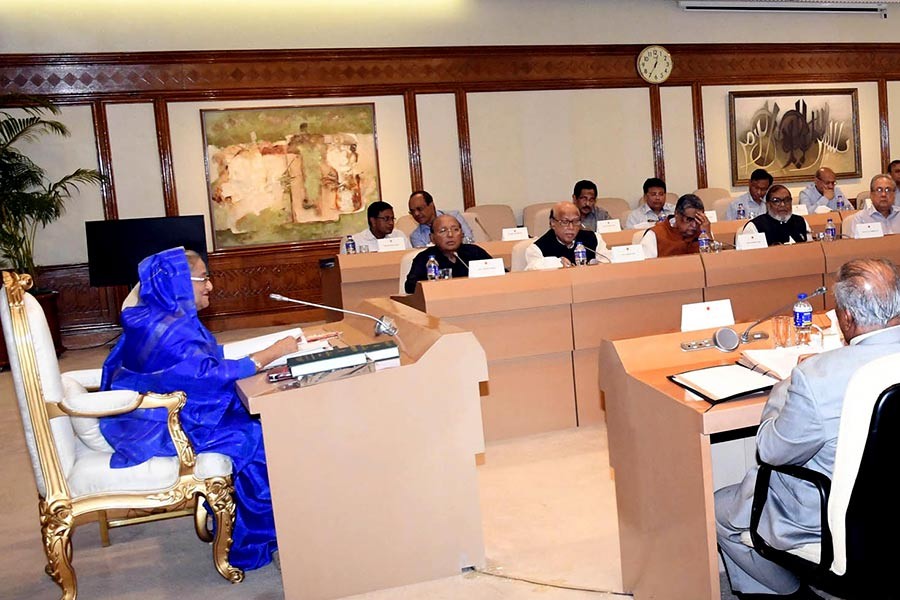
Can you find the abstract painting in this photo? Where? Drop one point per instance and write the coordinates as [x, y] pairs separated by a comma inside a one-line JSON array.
[[792, 133], [287, 174]]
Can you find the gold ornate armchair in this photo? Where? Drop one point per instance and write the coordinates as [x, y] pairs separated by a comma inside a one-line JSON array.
[[70, 457]]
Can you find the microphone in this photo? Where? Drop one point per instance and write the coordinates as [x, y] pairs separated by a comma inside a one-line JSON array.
[[745, 337], [597, 254], [383, 325], [459, 258]]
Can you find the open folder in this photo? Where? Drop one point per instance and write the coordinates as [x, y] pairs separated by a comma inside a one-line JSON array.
[[723, 383]]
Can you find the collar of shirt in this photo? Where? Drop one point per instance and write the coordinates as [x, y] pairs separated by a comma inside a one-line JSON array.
[[560, 242], [873, 212], [869, 334], [666, 209]]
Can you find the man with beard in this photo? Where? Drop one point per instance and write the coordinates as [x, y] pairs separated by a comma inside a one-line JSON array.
[[779, 223]]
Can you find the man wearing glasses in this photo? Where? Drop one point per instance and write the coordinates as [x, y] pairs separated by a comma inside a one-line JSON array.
[[823, 192], [779, 224], [678, 235], [560, 240], [381, 226], [882, 211], [423, 210], [452, 255]]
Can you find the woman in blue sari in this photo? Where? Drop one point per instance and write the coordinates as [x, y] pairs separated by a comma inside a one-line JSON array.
[[165, 348]]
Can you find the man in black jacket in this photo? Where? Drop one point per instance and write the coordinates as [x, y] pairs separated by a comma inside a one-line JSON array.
[[448, 250], [779, 224]]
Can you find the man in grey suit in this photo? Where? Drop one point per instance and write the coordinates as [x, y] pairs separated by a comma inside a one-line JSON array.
[[799, 426]]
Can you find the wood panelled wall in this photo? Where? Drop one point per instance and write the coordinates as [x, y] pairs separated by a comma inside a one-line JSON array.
[[244, 277]]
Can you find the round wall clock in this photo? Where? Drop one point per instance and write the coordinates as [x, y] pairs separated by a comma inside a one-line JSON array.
[[654, 64]]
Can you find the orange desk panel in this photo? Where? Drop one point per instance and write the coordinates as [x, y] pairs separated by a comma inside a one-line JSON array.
[[841, 251]]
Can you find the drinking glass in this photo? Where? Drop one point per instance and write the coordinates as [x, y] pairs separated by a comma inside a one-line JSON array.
[[781, 327], [446, 274]]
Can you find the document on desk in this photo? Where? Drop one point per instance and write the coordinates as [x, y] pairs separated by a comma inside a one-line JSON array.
[[723, 383]]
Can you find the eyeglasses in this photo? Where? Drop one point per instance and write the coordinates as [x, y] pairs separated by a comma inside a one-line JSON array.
[[567, 222], [883, 190], [779, 201], [386, 219], [449, 231], [200, 279]]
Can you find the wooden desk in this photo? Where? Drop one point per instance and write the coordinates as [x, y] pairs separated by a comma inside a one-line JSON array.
[[524, 323], [843, 250], [625, 300], [373, 477], [759, 281], [377, 274], [659, 446]]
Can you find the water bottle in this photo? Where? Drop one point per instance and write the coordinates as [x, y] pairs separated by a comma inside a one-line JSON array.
[[350, 245], [752, 215], [580, 254], [741, 213], [662, 216], [704, 242], [830, 231], [802, 320], [432, 269], [840, 203]]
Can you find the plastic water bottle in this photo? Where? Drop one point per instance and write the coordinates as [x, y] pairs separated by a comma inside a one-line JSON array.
[[432, 269], [802, 320], [662, 216], [704, 242], [741, 213], [752, 215], [840, 203], [830, 231], [580, 254], [350, 245]]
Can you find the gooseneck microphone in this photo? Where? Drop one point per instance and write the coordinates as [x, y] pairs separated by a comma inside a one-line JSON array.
[[384, 325], [745, 337], [597, 254]]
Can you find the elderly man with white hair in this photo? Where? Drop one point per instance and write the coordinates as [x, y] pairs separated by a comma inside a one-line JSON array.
[[799, 426], [882, 210]]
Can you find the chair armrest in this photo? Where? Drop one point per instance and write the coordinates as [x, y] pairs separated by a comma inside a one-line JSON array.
[[101, 404], [89, 379], [117, 402], [761, 495]]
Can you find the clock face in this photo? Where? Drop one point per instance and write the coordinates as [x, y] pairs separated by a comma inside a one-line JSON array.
[[654, 64]]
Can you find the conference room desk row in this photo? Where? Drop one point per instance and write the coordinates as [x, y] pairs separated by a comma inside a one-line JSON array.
[[542, 330], [377, 275]]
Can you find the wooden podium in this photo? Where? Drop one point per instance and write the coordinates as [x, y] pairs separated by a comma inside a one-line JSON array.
[[659, 447], [373, 477]]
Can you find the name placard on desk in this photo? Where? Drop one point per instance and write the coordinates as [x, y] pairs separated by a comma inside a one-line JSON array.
[[489, 267], [864, 231], [390, 244], [629, 253], [711, 215], [706, 315], [609, 226], [750, 241], [800, 209], [514, 234]]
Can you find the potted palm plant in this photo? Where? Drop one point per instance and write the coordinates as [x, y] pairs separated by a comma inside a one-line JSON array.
[[29, 200]]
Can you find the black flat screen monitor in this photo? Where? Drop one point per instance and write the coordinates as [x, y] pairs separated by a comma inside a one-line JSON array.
[[116, 247]]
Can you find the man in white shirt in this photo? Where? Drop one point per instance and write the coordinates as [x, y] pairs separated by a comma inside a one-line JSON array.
[[882, 211], [654, 208], [823, 192], [560, 240], [753, 201], [894, 172], [381, 225]]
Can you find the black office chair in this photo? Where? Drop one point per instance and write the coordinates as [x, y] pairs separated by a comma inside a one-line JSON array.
[[868, 509]]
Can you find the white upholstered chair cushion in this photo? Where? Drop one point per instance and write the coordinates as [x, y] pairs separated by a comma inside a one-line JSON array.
[[89, 379], [517, 261], [405, 265], [810, 552]]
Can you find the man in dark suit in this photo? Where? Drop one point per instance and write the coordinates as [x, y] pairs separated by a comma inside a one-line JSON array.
[[799, 426]]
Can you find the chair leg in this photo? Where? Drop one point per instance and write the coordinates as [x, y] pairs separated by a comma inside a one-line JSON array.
[[103, 523], [56, 530], [220, 496]]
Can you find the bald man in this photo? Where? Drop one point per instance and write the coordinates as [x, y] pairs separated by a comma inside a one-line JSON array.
[[823, 192], [560, 240]]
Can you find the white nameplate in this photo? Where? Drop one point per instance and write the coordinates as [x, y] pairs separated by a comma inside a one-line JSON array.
[[609, 226], [864, 231], [800, 209], [488, 267], [389, 244], [629, 253], [706, 315], [750, 241], [511, 234], [711, 215]]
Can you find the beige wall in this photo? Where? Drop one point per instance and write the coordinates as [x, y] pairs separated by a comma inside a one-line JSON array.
[[678, 139], [439, 150], [115, 26], [132, 140], [530, 147]]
